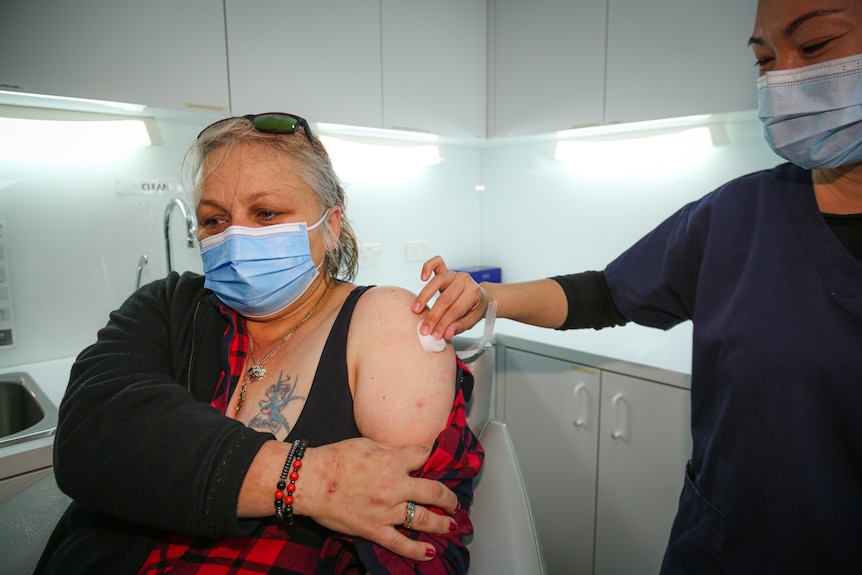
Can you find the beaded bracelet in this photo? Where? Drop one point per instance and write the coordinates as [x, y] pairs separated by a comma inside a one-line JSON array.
[[280, 486], [290, 472]]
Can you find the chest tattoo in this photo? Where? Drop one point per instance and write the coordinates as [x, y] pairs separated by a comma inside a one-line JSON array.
[[271, 417]]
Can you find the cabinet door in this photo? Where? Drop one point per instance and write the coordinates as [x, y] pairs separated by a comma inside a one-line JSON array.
[[319, 59], [551, 409], [643, 447], [547, 65], [671, 58], [158, 53], [434, 62]]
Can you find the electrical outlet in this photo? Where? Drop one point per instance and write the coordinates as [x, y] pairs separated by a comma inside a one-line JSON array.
[[418, 250], [370, 254]]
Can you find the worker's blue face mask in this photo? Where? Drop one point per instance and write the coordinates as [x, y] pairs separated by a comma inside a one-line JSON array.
[[812, 116], [259, 271]]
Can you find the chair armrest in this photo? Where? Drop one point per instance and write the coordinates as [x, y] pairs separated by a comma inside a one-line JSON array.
[[505, 540], [27, 519]]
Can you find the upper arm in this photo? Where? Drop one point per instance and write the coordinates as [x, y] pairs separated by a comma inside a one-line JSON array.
[[402, 394]]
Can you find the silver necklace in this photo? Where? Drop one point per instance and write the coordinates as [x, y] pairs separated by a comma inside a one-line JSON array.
[[257, 372]]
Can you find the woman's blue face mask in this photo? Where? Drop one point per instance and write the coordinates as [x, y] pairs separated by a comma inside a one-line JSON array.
[[259, 271], [812, 116]]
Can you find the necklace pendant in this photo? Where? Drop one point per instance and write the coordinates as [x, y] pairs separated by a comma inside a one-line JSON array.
[[256, 373]]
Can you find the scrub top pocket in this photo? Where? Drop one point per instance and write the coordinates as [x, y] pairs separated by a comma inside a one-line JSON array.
[[697, 537]]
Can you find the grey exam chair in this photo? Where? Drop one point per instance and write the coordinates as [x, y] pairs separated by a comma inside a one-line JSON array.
[[504, 542]]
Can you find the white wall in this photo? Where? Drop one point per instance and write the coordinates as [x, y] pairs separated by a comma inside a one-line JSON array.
[[73, 243], [438, 203], [542, 217]]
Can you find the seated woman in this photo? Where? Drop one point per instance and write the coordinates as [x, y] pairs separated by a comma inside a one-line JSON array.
[[210, 425]]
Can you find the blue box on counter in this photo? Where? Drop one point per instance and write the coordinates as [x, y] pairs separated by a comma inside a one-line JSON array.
[[483, 274]]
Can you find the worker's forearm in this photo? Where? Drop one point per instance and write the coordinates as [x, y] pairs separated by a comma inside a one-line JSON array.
[[541, 302]]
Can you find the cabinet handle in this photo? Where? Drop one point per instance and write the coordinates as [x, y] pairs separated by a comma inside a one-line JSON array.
[[618, 429], [581, 404]]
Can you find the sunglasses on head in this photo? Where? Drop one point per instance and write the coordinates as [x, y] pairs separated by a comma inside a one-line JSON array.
[[271, 123]]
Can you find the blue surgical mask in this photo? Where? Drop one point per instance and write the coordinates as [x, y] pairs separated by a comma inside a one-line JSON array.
[[259, 271], [812, 116]]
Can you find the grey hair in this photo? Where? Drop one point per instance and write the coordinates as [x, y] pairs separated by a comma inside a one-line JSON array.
[[315, 168]]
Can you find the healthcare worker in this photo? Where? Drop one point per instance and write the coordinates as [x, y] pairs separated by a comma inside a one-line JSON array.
[[767, 267]]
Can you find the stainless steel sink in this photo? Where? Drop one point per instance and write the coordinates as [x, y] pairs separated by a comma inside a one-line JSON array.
[[25, 411]]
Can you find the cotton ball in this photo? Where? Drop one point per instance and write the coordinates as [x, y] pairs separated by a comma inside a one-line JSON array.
[[428, 342]]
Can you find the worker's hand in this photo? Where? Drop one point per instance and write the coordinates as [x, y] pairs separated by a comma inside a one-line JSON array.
[[461, 305], [361, 488]]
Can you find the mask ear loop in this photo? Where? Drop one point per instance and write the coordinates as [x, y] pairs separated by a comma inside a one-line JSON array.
[[309, 228], [320, 221]]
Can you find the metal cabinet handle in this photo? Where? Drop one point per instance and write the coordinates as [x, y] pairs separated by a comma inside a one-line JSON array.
[[581, 404], [618, 431]]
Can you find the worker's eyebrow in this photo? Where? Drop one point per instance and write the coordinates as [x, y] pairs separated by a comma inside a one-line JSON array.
[[794, 26]]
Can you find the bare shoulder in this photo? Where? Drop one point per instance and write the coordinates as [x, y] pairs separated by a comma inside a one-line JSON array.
[[393, 294], [389, 308], [393, 297], [403, 394]]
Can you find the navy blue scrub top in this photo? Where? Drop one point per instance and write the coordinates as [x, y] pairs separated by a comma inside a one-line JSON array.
[[775, 480]]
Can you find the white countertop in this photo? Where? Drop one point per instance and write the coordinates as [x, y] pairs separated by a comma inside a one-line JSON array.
[[670, 350]]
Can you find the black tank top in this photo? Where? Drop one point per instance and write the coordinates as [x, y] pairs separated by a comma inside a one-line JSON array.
[[328, 413], [848, 230]]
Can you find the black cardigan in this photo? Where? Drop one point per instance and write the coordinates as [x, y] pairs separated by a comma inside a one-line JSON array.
[[138, 446]]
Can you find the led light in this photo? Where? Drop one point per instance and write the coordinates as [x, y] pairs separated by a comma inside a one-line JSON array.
[[68, 103], [375, 133], [72, 141], [380, 160], [636, 153]]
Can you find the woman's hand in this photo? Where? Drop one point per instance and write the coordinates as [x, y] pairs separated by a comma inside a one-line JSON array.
[[361, 488], [461, 305]]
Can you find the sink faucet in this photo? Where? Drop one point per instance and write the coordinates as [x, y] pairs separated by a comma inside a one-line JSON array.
[[190, 227]]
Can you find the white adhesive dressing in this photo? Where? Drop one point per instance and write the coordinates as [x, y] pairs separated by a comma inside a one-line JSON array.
[[429, 343]]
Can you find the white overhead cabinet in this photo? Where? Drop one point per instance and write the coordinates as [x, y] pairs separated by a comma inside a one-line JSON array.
[[320, 60], [559, 64], [671, 58], [547, 67], [396, 64], [158, 53], [462, 68], [603, 457], [434, 62]]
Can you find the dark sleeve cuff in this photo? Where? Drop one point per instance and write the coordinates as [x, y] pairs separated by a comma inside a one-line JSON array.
[[591, 304]]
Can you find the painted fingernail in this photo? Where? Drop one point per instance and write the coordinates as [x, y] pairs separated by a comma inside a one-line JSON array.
[[453, 526], [430, 552]]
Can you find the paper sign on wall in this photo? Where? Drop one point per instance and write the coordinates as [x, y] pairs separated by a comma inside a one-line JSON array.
[[150, 187]]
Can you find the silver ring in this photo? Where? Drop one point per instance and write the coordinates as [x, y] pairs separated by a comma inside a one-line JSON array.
[[411, 512]]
